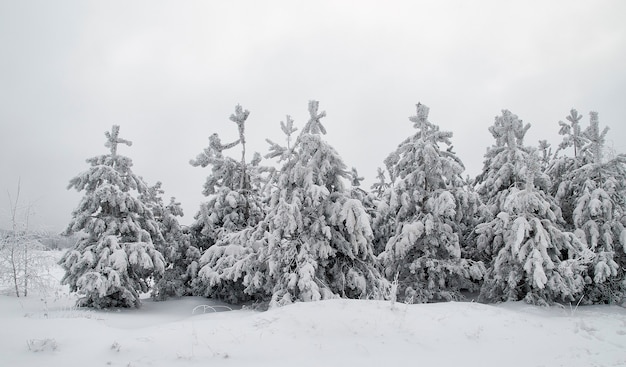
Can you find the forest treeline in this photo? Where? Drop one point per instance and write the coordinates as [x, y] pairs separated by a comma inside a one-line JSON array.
[[539, 223]]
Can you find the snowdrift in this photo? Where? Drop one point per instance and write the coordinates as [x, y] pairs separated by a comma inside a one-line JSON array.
[[191, 332]]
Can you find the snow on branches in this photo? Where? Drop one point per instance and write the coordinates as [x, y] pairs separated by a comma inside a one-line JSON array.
[[115, 257], [420, 208]]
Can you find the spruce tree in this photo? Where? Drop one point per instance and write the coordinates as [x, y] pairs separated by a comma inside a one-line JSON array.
[[235, 203], [383, 220], [423, 212], [115, 259], [562, 165], [505, 162], [591, 190], [181, 258], [534, 259], [315, 240], [529, 254], [232, 188]]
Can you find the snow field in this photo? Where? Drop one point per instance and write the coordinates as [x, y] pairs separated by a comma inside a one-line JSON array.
[[330, 333]]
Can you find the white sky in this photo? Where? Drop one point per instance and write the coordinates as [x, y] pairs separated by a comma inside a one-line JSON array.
[[171, 72]]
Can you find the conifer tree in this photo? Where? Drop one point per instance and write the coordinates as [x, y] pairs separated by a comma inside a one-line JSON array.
[[370, 202], [315, 240], [383, 221], [534, 259], [379, 187], [528, 253], [591, 192], [505, 162], [181, 258], [561, 166], [423, 215], [231, 188], [115, 258]]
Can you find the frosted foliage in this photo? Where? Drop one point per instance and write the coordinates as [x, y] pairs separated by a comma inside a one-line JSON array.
[[597, 215], [314, 242], [509, 130], [175, 246], [115, 257], [572, 134], [426, 255], [109, 273], [506, 161], [228, 265], [419, 160], [225, 171], [421, 219], [318, 238], [234, 189], [533, 259], [276, 150], [226, 211], [596, 139], [381, 185], [113, 140], [591, 191], [562, 165], [314, 126]]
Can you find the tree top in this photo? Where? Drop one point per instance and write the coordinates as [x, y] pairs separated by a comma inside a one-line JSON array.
[[113, 140]]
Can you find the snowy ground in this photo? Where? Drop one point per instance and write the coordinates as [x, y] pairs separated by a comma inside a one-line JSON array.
[[328, 333]]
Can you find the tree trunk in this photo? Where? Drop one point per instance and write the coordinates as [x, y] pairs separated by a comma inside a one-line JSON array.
[[14, 268]]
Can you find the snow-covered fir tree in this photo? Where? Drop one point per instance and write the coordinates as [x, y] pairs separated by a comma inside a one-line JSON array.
[[315, 241], [232, 188], [505, 162], [369, 200], [181, 258], [562, 165], [423, 212], [382, 219], [379, 187], [591, 192], [234, 252], [528, 253], [115, 259]]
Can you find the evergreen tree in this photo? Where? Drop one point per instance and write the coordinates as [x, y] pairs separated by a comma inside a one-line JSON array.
[[423, 212], [367, 199], [381, 185], [232, 188], [383, 220], [315, 241], [181, 258], [534, 259], [115, 258], [591, 192], [505, 162], [561, 166], [529, 256]]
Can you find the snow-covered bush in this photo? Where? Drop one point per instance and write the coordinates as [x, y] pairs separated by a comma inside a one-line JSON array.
[[24, 264], [115, 258], [42, 345]]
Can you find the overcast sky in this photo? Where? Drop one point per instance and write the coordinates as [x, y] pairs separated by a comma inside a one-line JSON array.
[[171, 72]]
